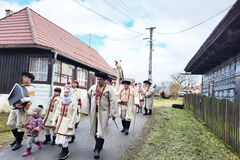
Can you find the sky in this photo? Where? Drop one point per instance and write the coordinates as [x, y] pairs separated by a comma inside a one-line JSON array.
[[122, 38]]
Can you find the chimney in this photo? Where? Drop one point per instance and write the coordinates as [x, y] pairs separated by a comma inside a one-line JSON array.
[[8, 12]]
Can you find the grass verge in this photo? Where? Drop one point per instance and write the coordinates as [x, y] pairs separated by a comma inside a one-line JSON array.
[[174, 134]]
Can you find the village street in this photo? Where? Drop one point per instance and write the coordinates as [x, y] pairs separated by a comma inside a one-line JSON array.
[[116, 144], [177, 62]]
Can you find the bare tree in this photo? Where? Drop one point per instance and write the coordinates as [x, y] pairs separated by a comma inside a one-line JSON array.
[[174, 88], [164, 84], [186, 81]]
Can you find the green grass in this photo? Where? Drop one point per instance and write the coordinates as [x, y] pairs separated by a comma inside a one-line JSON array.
[[5, 133], [175, 134], [3, 122]]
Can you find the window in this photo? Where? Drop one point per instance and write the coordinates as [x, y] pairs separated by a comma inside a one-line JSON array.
[[39, 68], [211, 89], [63, 72], [82, 76]]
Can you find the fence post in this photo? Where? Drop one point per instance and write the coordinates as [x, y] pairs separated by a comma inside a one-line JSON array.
[[203, 100], [225, 131]]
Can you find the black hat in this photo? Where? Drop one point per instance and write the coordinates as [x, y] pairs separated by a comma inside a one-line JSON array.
[[30, 75], [57, 90], [126, 82], [147, 82], [101, 75], [40, 106]]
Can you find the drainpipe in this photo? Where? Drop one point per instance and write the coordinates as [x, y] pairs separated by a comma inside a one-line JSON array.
[[53, 68]]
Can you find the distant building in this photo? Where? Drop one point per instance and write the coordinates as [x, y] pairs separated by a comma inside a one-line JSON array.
[[29, 42], [218, 59]]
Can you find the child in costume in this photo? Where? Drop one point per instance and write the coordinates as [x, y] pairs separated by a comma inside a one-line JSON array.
[[34, 125]]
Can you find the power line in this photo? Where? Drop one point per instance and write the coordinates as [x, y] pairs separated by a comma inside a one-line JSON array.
[[131, 12], [111, 5], [125, 39], [91, 10], [196, 25]]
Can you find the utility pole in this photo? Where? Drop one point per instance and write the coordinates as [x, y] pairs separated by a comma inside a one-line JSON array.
[[150, 54]]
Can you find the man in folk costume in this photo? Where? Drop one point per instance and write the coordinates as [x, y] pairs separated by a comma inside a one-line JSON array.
[[18, 112], [127, 98], [65, 118], [149, 97], [53, 105], [100, 103], [141, 93], [77, 96]]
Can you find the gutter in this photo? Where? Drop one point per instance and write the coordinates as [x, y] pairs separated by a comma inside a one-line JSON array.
[[52, 76]]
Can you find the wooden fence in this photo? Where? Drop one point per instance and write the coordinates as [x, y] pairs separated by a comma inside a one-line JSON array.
[[221, 116]]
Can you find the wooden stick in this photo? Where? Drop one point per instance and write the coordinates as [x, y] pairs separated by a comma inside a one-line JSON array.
[[115, 124]]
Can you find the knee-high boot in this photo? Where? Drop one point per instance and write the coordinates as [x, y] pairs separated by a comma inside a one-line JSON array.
[[124, 125], [14, 132], [127, 127]]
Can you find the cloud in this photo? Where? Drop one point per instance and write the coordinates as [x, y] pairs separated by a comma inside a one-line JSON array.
[[171, 53]]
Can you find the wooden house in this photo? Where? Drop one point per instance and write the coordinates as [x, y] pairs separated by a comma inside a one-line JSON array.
[[218, 59], [30, 42]]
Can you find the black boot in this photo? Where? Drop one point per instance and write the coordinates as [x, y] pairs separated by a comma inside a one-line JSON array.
[[72, 139], [98, 147], [53, 141], [124, 125], [96, 150], [146, 111], [150, 112], [101, 144], [19, 139], [127, 127], [96, 154], [47, 139], [64, 154], [95, 144], [14, 132], [76, 125]]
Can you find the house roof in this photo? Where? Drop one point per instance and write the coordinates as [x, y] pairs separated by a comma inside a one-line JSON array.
[[26, 27], [221, 45]]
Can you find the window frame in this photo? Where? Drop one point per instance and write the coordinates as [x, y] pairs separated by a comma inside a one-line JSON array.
[[48, 68], [86, 80], [61, 74], [211, 88]]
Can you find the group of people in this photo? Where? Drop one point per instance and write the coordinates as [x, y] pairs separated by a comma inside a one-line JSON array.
[[61, 117]]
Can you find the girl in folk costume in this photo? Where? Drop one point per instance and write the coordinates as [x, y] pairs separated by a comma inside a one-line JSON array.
[[141, 92], [77, 96], [33, 126], [65, 117], [54, 103], [127, 98]]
